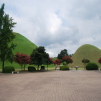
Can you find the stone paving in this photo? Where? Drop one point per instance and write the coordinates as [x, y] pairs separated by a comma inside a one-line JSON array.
[[51, 86]]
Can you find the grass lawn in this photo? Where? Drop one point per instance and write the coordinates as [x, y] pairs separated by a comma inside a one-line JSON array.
[[50, 68]]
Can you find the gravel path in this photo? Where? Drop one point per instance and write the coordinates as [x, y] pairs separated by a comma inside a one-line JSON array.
[[51, 86]]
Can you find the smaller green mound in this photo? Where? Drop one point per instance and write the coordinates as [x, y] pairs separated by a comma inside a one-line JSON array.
[[86, 51]]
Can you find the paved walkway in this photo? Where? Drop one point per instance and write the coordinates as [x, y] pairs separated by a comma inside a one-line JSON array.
[[51, 86]]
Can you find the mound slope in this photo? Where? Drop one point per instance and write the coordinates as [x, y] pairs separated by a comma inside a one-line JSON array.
[[23, 44], [86, 51]]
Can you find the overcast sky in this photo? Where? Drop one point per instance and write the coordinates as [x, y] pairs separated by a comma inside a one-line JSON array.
[[57, 24]]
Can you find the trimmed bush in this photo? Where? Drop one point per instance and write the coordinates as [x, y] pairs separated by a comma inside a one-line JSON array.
[[9, 69], [31, 69], [64, 63], [64, 68], [92, 66]]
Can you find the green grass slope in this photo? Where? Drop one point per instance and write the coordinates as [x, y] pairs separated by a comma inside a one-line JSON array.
[[86, 51], [23, 46]]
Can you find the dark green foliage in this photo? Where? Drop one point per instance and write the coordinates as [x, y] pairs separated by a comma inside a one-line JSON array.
[[62, 54], [70, 55], [6, 37], [64, 63], [9, 69], [64, 67], [31, 68], [46, 59], [92, 66], [85, 60], [39, 56]]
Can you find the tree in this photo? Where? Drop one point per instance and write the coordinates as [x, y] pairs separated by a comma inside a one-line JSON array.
[[39, 56], [99, 60], [46, 60], [57, 62], [6, 37], [85, 61], [22, 59], [51, 60], [67, 59], [70, 55], [62, 54]]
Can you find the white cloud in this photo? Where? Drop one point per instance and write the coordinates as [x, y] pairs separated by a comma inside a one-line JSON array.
[[53, 23], [57, 24]]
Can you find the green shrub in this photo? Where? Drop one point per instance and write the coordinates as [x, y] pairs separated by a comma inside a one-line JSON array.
[[64, 63], [64, 68], [31, 68], [92, 66], [9, 69]]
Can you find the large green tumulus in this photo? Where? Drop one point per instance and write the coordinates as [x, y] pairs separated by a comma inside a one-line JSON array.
[[86, 51], [23, 45]]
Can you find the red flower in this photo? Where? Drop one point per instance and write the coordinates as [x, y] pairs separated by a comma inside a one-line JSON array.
[[57, 61], [99, 60], [67, 59], [22, 59]]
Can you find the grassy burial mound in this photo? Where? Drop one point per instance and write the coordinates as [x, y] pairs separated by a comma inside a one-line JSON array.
[[23, 46], [86, 51]]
